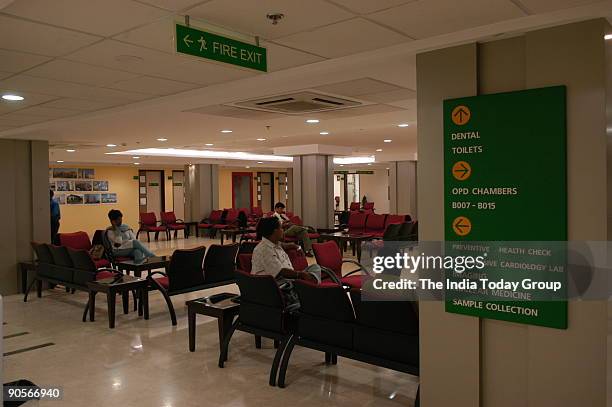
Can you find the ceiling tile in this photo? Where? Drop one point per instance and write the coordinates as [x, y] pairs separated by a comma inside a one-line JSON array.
[[80, 104], [31, 99], [422, 19], [542, 6], [204, 73], [70, 71], [280, 57], [392, 96], [157, 35], [249, 17], [345, 38], [173, 5], [358, 87], [104, 18], [13, 61], [153, 86], [47, 112], [16, 120], [3, 127], [369, 6], [25, 83], [5, 74], [39, 38], [126, 57], [358, 111]]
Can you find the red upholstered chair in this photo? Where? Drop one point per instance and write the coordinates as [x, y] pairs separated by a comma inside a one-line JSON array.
[[148, 223], [375, 225], [245, 263], [213, 219], [169, 220], [357, 222], [395, 220], [355, 206], [256, 212], [368, 206], [328, 256], [230, 220], [80, 241]]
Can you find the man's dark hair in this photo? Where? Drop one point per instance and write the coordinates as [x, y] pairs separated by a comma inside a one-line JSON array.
[[114, 214], [267, 226], [279, 205]]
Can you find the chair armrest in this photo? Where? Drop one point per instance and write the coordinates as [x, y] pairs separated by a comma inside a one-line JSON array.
[[361, 267], [115, 271], [330, 273], [150, 276]]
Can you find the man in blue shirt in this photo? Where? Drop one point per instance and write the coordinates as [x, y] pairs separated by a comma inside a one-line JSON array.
[[55, 219]]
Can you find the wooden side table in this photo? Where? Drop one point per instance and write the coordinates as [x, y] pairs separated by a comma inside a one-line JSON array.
[[121, 285]]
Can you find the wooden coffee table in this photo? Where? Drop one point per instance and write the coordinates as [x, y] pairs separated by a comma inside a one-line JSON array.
[[123, 284], [343, 238], [150, 264], [188, 226], [219, 306], [232, 233]]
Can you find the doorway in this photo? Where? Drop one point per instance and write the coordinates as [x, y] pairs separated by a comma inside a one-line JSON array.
[[178, 194], [151, 191], [283, 188], [265, 191], [242, 190]]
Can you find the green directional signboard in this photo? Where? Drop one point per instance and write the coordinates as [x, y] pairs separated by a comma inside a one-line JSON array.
[[506, 195], [192, 41]]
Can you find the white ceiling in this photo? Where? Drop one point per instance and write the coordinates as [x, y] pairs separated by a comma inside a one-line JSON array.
[[79, 64]]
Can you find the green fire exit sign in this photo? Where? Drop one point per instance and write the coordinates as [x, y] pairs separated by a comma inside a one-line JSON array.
[[505, 194], [192, 41]]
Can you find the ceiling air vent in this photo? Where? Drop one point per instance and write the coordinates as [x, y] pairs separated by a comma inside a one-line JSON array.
[[298, 103]]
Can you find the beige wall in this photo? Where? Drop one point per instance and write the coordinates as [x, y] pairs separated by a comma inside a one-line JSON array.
[[469, 362], [121, 180], [376, 189]]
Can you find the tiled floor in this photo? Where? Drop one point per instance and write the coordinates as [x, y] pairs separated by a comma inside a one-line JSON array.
[[147, 363]]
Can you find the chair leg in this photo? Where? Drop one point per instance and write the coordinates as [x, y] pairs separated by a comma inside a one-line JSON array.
[[258, 341], [277, 357], [137, 233], [125, 299], [25, 296], [39, 288], [225, 344], [285, 362], [334, 359], [148, 236], [328, 358], [417, 398], [86, 311], [163, 291], [156, 236], [135, 296]]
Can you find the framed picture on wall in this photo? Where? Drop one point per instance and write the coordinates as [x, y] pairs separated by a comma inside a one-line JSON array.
[[61, 199], [92, 199], [64, 186], [86, 173], [74, 199], [83, 186], [100, 185], [109, 198], [65, 173]]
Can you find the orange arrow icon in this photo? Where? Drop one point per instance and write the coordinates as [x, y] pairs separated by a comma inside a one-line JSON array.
[[462, 226], [462, 170], [461, 115]]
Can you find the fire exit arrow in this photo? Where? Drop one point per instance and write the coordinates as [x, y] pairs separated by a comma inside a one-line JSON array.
[[187, 41]]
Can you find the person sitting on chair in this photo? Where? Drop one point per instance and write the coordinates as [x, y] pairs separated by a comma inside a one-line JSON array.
[[269, 257], [292, 230], [123, 239]]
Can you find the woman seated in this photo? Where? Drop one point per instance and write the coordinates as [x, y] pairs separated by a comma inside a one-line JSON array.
[[123, 239]]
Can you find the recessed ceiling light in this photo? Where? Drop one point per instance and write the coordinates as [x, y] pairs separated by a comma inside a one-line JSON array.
[[70, 150], [136, 157], [369, 163], [378, 150], [136, 163], [312, 121], [12, 98], [261, 139], [341, 165], [324, 133], [247, 166], [209, 144], [403, 125], [259, 162], [387, 140], [608, 37], [354, 160], [226, 131], [162, 139], [59, 161], [111, 145], [387, 167]]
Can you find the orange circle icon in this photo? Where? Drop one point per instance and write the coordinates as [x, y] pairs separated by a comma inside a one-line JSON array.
[[462, 226], [462, 170], [461, 115]]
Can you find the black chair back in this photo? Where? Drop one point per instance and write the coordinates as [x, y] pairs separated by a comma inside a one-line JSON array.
[[43, 258], [98, 237], [220, 262], [407, 231], [84, 267], [261, 302], [185, 269], [392, 232], [62, 264]]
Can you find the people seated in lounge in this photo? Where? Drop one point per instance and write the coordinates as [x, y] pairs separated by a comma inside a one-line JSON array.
[[291, 230], [123, 239], [269, 257]]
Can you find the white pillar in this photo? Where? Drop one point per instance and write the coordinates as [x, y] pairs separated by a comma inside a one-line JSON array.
[[201, 191], [313, 189], [403, 188]]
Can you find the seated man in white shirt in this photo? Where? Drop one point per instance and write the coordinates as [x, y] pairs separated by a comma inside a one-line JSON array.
[[123, 239], [270, 258], [301, 232]]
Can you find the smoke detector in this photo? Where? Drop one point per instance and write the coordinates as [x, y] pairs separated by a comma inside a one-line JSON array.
[[275, 17]]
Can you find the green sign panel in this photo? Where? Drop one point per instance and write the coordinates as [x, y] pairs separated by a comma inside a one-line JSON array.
[[506, 196], [192, 41]]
